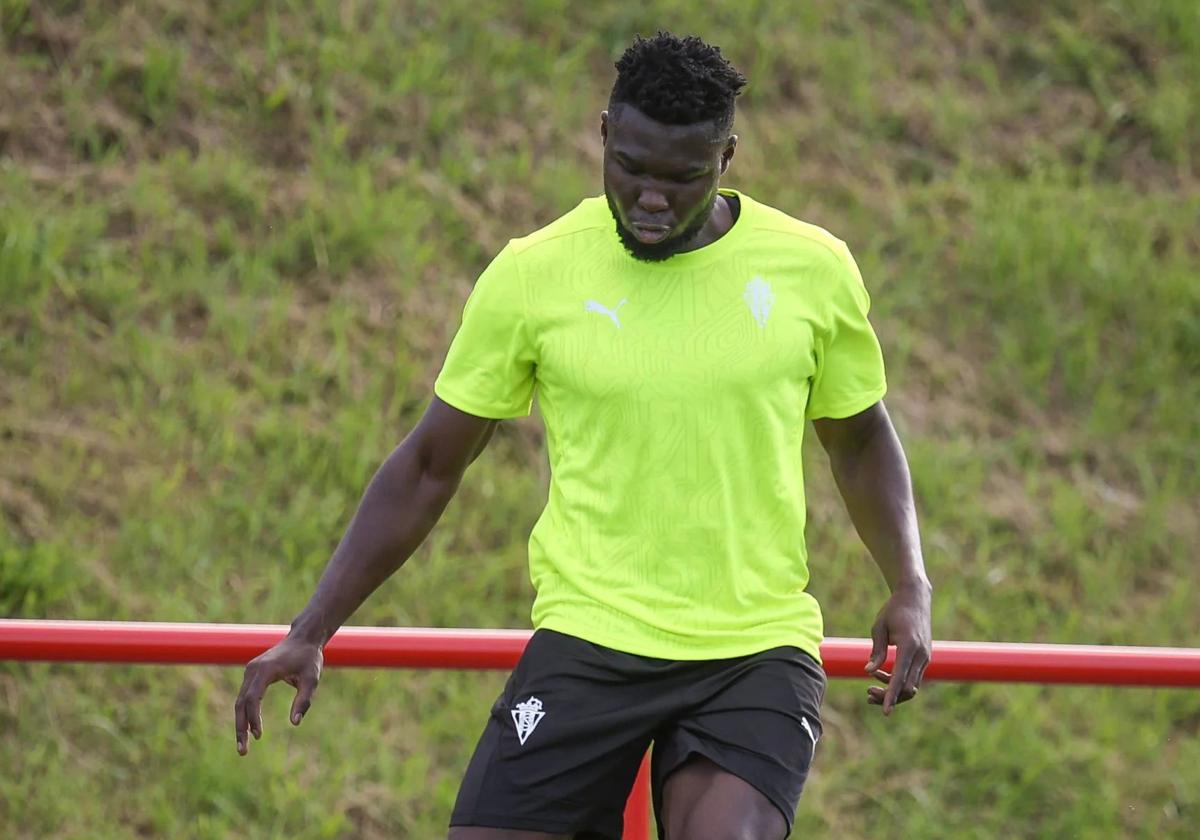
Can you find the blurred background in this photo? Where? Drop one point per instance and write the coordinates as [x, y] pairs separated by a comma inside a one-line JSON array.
[[235, 240]]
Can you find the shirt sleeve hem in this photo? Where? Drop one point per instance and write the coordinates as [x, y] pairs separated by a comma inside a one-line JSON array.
[[469, 406], [849, 406]]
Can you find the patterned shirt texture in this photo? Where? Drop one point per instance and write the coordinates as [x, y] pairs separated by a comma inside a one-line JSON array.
[[674, 396]]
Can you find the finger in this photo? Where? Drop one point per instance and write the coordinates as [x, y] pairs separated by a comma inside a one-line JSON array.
[[254, 698], [239, 722], [882, 675], [907, 690], [875, 695], [921, 676], [899, 675], [303, 700], [913, 682], [878, 647]]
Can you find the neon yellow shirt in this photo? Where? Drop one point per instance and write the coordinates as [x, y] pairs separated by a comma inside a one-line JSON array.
[[674, 396]]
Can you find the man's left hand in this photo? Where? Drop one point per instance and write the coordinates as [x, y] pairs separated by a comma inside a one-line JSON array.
[[904, 622]]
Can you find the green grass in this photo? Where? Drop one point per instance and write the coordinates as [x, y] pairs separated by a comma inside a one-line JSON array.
[[235, 239]]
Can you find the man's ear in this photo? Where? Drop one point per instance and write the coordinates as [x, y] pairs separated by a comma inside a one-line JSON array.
[[603, 127], [727, 152]]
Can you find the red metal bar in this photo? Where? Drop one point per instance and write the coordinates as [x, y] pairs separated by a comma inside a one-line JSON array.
[[233, 644], [237, 644]]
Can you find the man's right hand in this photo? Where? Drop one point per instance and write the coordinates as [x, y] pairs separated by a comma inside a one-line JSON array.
[[298, 664], [405, 497]]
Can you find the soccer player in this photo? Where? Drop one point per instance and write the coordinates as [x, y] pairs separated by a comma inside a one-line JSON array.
[[678, 336]]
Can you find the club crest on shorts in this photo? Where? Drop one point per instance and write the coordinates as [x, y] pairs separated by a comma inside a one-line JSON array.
[[527, 716]]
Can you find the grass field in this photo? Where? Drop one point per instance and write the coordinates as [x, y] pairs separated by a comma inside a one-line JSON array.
[[235, 239]]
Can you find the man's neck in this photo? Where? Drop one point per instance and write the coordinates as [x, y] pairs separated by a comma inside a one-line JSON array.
[[719, 222]]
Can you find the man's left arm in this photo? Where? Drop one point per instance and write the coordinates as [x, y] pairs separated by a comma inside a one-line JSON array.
[[872, 474]]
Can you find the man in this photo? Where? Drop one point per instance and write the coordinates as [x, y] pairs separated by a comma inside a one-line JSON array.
[[678, 336]]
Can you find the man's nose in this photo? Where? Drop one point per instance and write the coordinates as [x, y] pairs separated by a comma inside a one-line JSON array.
[[652, 201]]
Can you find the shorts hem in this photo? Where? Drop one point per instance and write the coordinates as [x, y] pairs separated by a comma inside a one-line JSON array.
[[550, 826]]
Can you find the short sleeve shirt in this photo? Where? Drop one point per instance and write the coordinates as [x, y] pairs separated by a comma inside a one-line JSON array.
[[674, 396]]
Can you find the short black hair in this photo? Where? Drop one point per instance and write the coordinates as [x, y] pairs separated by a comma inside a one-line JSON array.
[[677, 81]]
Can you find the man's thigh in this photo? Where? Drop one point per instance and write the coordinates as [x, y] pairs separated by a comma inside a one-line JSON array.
[[703, 802]]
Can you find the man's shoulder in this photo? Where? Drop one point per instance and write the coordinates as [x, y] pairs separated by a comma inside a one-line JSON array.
[[793, 232], [588, 219]]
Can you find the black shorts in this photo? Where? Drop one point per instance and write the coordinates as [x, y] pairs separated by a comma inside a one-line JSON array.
[[564, 740]]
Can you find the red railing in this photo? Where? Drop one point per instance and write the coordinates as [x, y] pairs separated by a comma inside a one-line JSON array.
[[382, 647]]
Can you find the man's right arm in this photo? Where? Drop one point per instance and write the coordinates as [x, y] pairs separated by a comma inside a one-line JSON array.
[[402, 503]]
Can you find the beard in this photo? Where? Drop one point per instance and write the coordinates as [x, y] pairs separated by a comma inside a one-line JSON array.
[[659, 251]]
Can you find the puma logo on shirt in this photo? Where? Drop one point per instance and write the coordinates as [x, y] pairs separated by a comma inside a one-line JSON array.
[[595, 306]]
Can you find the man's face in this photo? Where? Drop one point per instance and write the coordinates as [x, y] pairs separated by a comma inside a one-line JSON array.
[[661, 180]]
